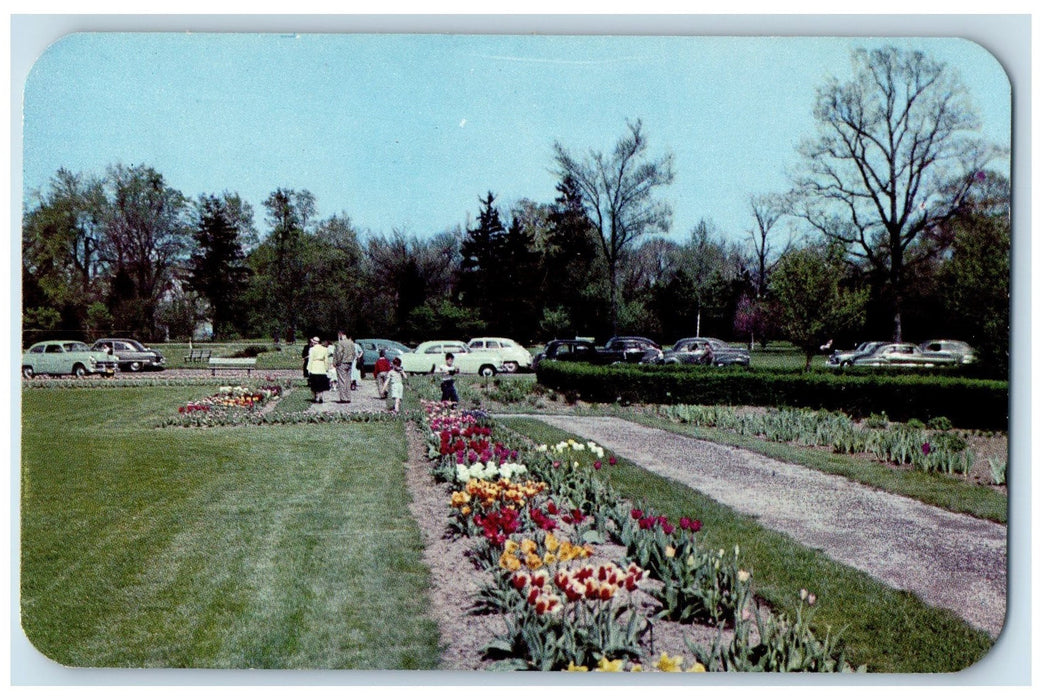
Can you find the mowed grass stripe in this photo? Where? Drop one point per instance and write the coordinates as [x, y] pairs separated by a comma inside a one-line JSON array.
[[262, 547], [889, 630]]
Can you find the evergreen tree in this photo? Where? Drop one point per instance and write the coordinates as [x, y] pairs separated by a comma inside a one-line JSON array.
[[481, 267], [217, 270]]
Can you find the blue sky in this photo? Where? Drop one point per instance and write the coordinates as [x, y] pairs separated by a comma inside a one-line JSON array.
[[408, 131]]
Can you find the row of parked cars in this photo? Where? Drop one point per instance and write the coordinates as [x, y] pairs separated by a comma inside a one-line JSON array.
[[880, 353], [79, 359], [637, 349]]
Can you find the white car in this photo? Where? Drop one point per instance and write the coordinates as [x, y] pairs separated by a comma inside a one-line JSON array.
[[428, 356], [515, 357]]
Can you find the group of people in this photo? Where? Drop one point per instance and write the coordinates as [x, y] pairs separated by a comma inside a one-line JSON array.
[[326, 363]]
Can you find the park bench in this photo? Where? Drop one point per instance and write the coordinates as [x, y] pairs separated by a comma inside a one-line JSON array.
[[197, 355], [247, 363]]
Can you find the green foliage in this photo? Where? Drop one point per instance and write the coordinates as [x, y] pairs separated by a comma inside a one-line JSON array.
[[769, 643], [967, 403], [998, 471], [812, 306]]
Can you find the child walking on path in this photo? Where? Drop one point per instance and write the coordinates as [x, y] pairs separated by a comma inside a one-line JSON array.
[[396, 384], [448, 381]]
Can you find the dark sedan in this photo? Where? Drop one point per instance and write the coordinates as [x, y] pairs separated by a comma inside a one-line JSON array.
[[131, 355], [568, 350], [630, 348], [705, 351]]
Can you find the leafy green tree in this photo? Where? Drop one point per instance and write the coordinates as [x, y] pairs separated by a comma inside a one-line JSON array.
[[279, 264], [334, 279], [975, 279], [402, 273], [218, 270], [441, 318], [897, 152], [619, 193], [62, 232], [812, 304], [146, 240]]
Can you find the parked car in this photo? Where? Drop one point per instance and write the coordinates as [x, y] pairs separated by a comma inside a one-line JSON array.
[[705, 351], [515, 357], [959, 352], [371, 348], [843, 359], [131, 355], [901, 355], [430, 355], [65, 357], [630, 348], [567, 350]]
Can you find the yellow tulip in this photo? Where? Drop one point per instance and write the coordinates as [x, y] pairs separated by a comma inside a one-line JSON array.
[[670, 664], [551, 542], [697, 668], [603, 664], [573, 667]]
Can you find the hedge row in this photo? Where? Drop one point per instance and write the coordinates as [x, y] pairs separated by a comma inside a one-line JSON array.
[[967, 403]]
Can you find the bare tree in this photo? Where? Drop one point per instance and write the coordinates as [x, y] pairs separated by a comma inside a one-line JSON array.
[[891, 141], [618, 192], [767, 210]]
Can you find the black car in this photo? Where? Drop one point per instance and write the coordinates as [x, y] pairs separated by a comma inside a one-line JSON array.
[[132, 355], [705, 351], [568, 350], [630, 348]]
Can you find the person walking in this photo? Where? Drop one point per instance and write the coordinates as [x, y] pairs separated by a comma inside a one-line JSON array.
[[380, 370], [318, 365], [356, 367], [448, 382], [344, 359], [396, 384]]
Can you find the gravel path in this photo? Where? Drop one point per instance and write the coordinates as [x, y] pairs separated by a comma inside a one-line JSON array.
[[949, 560]]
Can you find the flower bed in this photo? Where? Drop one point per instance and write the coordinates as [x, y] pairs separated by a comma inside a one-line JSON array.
[[582, 578], [939, 449]]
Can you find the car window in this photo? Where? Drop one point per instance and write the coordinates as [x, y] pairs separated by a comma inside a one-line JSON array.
[[76, 347], [37, 349], [433, 350], [457, 349], [54, 348], [477, 344], [492, 344]]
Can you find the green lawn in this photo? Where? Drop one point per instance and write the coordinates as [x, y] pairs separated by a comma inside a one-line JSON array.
[[891, 631], [250, 547]]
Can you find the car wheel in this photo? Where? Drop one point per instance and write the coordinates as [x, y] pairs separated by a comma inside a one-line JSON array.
[[845, 363], [79, 370], [487, 371], [135, 366], [510, 366], [28, 372]]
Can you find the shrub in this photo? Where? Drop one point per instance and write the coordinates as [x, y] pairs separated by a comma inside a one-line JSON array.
[[968, 403], [250, 351]]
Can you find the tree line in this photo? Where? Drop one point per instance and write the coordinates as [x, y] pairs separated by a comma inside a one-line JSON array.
[[894, 226]]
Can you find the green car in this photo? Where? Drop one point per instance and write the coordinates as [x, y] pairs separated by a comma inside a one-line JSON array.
[[65, 357]]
